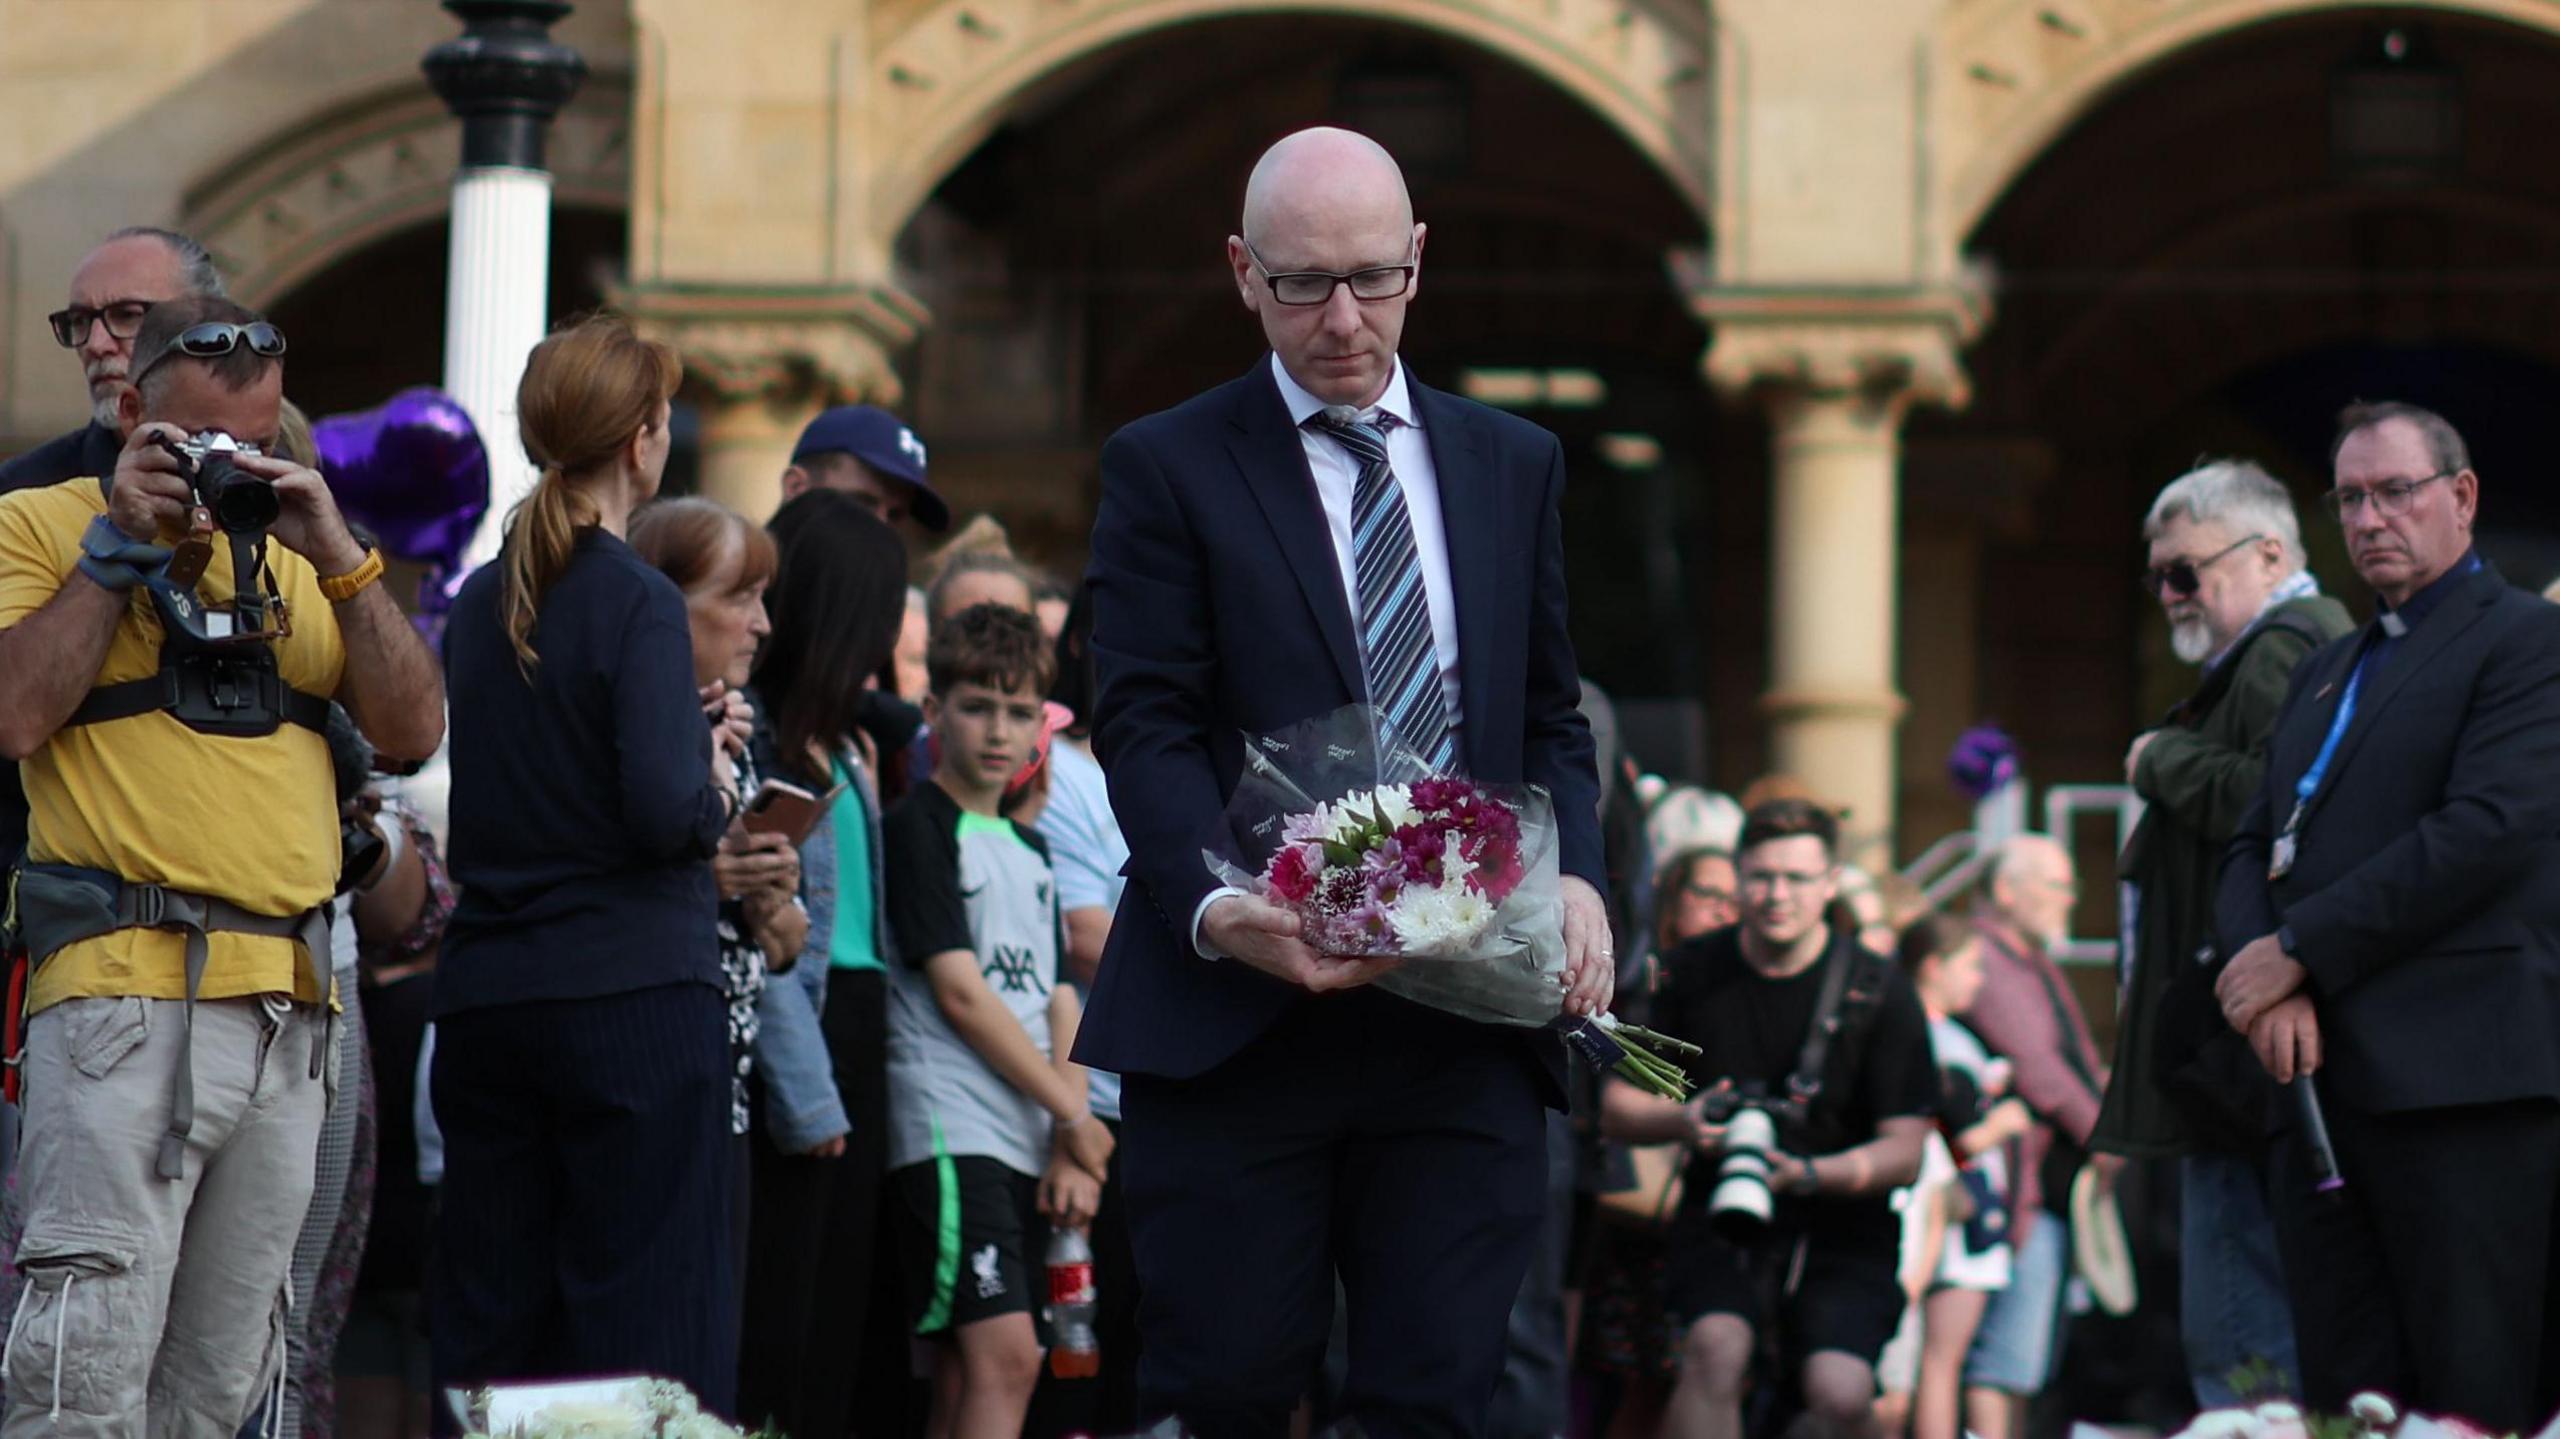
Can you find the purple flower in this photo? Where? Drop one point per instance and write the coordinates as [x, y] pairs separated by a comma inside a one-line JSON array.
[[1369, 930], [1387, 858], [1420, 848]]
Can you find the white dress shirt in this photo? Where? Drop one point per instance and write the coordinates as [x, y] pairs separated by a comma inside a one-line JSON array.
[[1337, 477]]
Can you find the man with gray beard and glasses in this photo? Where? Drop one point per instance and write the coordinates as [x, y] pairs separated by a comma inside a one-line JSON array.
[[115, 285], [2226, 564]]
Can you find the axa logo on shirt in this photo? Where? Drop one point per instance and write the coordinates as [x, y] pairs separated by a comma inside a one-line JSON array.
[[1011, 970], [983, 1264]]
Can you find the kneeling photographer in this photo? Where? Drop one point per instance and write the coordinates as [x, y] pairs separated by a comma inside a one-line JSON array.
[[1783, 1257], [172, 635]]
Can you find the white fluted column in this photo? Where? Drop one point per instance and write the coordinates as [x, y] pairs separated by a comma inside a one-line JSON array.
[[498, 267], [504, 78]]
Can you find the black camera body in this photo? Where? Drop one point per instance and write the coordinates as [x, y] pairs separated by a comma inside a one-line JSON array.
[[1789, 1109], [241, 503]]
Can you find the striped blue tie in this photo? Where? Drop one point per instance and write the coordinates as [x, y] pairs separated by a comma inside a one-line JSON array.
[[1397, 653]]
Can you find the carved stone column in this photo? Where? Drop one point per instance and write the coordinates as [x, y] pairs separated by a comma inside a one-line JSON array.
[[1836, 370], [761, 362]]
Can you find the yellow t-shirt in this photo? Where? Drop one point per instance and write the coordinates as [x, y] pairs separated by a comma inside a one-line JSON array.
[[253, 821]]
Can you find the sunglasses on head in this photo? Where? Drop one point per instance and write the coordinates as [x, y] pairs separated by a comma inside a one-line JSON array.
[[216, 338], [2185, 577]]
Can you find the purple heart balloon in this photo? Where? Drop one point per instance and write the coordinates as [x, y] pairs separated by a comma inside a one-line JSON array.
[[413, 471], [1985, 758]]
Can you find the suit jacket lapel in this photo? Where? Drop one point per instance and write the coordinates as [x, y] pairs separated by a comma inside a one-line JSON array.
[[2415, 651], [1470, 518], [1268, 450]]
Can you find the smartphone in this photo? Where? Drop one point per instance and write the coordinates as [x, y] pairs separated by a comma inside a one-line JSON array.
[[782, 808]]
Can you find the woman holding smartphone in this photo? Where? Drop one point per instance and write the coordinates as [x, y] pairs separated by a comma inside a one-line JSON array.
[[581, 1075], [820, 1149], [723, 564]]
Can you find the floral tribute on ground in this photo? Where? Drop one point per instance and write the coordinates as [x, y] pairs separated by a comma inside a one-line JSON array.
[[1347, 827]]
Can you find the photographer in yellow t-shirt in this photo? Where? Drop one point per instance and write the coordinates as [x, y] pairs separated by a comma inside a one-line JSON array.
[[172, 635]]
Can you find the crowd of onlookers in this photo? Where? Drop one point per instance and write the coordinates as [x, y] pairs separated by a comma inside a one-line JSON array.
[[708, 1011]]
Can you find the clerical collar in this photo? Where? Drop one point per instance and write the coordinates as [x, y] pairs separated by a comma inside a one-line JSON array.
[[2398, 620]]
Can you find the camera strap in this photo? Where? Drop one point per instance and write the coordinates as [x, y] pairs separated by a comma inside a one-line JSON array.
[[1850, 987], [222, 683], [252, 691], [1806, 1082]]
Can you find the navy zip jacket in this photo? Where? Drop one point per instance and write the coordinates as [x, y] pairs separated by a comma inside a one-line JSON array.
[[583, 816]]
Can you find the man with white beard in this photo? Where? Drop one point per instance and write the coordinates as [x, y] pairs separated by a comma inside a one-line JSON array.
[[115, 285], [2226, 564]]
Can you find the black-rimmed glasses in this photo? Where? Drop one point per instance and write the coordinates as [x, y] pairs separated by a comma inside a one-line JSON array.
[[2185, 577], [2390, 499], [1315, 287], [123, 319], [216, 338]]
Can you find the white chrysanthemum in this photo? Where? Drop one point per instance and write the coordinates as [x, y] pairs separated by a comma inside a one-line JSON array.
[[1395, 802], [1442, 920], [1343, 822]]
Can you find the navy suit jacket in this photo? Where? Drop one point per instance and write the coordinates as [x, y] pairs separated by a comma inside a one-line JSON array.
[[2425, 896], [1219, 610]]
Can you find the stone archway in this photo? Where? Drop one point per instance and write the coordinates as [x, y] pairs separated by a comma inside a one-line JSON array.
[[2010, 77], [941, 78], [291, 207]]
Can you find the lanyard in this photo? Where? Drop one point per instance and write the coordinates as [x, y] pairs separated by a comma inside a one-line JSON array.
[[2309, 785]]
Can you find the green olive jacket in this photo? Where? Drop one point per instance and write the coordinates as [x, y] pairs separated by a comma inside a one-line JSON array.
[[2183, 1082]]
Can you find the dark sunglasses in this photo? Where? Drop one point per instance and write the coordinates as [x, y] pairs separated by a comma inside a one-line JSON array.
[[216, 338], [2185, 577], [123, 319]]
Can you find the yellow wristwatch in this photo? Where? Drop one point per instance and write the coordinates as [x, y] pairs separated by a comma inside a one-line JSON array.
[[341, 588]]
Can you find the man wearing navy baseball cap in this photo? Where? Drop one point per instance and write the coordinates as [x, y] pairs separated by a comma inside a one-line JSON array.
[[870, 454]]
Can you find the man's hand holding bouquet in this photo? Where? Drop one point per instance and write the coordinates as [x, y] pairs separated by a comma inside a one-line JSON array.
[[1435, 887]]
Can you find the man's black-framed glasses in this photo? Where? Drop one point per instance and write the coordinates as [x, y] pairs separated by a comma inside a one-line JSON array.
[[2185, 577], [2390, 499], [216, 338], [123, 320], [1315, 287]]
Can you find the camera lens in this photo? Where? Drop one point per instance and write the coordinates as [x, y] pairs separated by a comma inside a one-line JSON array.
[[1742, 1202], [242, 503]]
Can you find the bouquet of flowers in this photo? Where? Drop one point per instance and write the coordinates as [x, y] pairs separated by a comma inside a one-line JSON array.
[[1378, 856]]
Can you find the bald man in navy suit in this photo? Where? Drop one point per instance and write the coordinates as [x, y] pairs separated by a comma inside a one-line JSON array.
[[1324, 530]]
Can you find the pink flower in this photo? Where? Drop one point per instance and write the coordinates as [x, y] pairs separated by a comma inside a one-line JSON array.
[[1294, 871], [1434, 797]]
